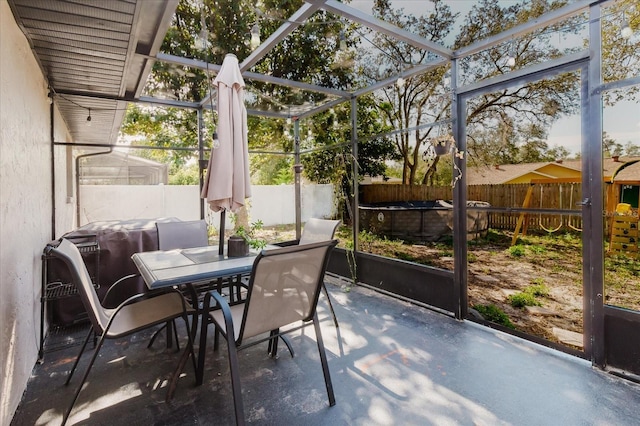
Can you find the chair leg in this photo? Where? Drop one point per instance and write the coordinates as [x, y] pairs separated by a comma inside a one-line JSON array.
[[181, 363], [84, 379], [175, 335], [192, 337], [323, 361], [287, 342], [333, 313], [155, 335], [234, 368], [171, 327], [75, 364], [203, 346], [272, 349], [273, 343]]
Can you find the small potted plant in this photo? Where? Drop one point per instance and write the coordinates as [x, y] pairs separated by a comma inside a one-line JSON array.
[[245, 238], [442, 144]]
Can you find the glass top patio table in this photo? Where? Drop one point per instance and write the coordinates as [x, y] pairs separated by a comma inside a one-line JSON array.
[[190, 266]]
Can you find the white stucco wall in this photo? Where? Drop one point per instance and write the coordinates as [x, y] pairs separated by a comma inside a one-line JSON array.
[[273, 205], [25, 203]]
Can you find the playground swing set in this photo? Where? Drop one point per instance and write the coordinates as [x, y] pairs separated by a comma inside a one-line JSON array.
[[622, 220], [571, 221]]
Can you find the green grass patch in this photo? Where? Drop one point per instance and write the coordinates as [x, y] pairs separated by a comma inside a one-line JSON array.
[[522, 299], [517, 251], [537, 249], [445, 253], [494, 314], [529, 296]]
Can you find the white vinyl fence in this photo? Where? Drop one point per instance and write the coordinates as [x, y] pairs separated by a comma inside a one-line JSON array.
[[273, 204]]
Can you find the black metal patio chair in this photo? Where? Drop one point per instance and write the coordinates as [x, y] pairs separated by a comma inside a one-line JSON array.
[[283, 289]]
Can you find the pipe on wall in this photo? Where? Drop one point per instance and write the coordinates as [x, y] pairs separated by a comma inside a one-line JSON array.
[[53, 164]]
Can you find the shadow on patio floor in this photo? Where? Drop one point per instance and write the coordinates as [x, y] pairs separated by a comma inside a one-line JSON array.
[[391, 363]]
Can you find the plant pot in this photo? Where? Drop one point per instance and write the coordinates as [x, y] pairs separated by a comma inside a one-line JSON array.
[[442, 149], [237, 246]]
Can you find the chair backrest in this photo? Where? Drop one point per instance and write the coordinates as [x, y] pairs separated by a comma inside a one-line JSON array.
[[180, 235], [318, 230], [284, 287], [70, 255]]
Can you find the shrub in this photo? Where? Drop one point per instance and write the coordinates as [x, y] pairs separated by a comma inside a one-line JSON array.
[[522, 299], [494, 314], [445, 253], [537, 249], [517, 251], [528, 297], [538, 290]]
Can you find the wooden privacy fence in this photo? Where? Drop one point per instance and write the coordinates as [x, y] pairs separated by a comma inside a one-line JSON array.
[[554, 196]]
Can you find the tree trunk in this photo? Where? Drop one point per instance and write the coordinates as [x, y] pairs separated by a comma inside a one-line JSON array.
[[242, 218], [431, 172]]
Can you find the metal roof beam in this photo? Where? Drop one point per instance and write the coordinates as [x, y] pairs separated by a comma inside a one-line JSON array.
[[542, 21], [321, 108], [187, 62], [168, 102], [305, 11], [195, 63], [383, 27], [503, 81], [301, 15], [295, 84], [419, 69]]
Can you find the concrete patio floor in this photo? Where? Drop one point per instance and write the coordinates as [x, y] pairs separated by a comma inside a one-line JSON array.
[[391, 362]]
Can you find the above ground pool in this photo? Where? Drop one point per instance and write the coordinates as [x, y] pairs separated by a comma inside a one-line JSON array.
[[420, 221]]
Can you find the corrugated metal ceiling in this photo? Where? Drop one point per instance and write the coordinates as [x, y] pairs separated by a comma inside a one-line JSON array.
[[94, 56]]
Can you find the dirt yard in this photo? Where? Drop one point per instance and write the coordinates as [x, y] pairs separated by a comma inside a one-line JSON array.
[[497, 271]]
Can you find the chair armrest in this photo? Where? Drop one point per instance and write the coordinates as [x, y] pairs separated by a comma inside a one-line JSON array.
[[138, 296], [116, 284], [226, 313]]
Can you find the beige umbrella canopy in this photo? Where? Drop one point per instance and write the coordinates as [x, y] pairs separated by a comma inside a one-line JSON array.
[[227, 183]]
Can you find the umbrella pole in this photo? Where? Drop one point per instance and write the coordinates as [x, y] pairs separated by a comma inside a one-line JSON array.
[[221, 240]]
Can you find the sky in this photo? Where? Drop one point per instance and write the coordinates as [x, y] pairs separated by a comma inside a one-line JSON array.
[[621, 122]]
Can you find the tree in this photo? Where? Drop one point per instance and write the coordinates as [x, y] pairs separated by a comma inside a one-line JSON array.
[[529, 109], [508, 112], [300, 57], [163, 128], [332, 131], [610, 146], [632, 149], [421, 99], [620, 54]]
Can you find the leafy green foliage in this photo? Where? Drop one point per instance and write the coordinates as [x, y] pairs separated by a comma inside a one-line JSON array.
[[249, 234], [185, 176], [517, 251], [537, 249], [510, 126], [520, 300], [620, 56], [334, 164], [529, 296], [423, 98], [538, 290], [622, 275], [494, 314], [227, 22]]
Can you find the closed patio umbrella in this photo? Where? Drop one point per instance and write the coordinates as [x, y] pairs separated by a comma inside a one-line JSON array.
[[227, 183]]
